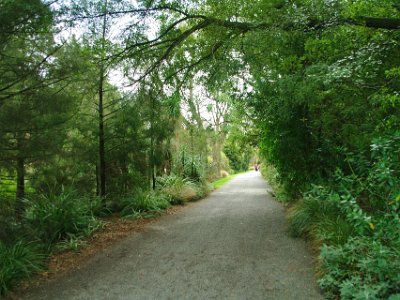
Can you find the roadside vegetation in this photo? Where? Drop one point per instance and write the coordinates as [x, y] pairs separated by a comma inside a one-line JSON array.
[[353, 219], [78, 145], [63, 221], [222, 181], [330, 134], [99, 117]]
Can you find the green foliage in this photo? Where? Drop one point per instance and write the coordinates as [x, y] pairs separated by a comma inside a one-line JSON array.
[[362, 268], [144, 204], [18, 261], [181, 190], [220, 182], [313, 91], [239, 156], [188, 165], [71, 242], [357, 218], [318, 216], [55, 217], [270, 173]]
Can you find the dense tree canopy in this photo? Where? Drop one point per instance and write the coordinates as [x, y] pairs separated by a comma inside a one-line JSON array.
[[112, 99]]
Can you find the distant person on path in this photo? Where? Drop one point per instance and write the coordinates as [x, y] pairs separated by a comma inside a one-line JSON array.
[[257, 167]]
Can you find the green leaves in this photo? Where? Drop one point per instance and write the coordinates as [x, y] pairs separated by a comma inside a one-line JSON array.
[[18, 261], [357, 219], [56, 217], [360, 269]]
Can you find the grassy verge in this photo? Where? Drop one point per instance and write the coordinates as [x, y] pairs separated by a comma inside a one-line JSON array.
[[220, 182]]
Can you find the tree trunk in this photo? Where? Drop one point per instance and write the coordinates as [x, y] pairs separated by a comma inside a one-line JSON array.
[[97, 180], [102, 160], [20, 194], [152, 164], [217, 156]]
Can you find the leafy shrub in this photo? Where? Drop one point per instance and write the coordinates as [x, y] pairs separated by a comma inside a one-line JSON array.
[[363, 268], [54, 217], [270, 173], [18, 261], [318, 216], [357, 217], [144, 204]]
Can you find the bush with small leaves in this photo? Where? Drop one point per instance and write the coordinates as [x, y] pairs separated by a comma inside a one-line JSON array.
[[362, 268]]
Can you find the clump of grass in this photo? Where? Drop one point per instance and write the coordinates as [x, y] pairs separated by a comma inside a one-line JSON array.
[[71, 242], [187, 193], [203, 189], [55, 217], [144, 204], [181, 190], [319, 218], [18, 261]]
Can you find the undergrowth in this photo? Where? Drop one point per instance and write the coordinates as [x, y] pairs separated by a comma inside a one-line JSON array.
[[144, 204], [59, 221], [19, 261], [355, 219], [271, 175], [181, 190], [56, 217]]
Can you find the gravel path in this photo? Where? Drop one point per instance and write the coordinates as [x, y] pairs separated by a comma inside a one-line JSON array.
[[231, 245]]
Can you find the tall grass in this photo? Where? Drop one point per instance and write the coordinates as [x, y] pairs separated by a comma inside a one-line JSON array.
[[144, 204], [318, 217], [181, 190], [55, 217], [17, 262], [59, 221]]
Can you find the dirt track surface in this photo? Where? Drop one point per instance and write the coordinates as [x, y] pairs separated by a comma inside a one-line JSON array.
[[231, 245]]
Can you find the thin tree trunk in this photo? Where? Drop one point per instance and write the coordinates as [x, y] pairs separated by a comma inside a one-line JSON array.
[[97, 180], [154, 178], [152, 165], [102, 160], [20, 193]]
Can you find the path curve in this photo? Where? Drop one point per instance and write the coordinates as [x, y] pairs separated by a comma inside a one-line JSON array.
[[231, 245]]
